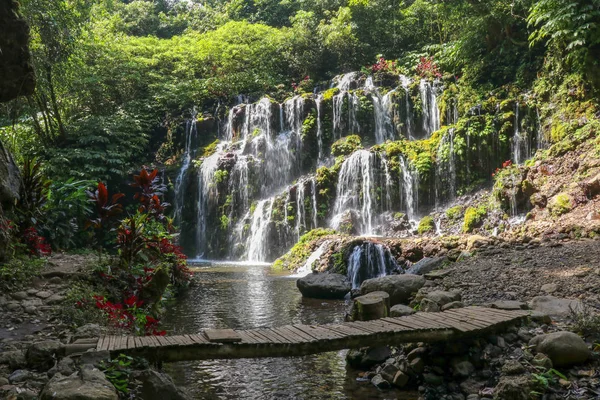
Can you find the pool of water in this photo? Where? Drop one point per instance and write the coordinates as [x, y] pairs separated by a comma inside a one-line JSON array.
[[243, 296]]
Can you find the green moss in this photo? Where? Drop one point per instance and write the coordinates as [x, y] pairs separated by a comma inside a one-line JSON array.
[[560, 204], [346, 146], [426, 225], [301, 250], [398, 216], [221, 175], [474, 218], [454, 213], [210, 149], [224, 222], [339, 264], [328, 94]]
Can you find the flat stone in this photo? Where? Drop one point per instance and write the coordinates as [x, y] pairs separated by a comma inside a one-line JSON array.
[[513, 367], [439, 274], [19, 295], [55, 299], [555, 307], [549, 287], [399, 287], [379, 382], [453, 305], [442, 297], [324, 286], [509, 305], [20, 375], [426, 265], [222, 336], [43, 294], [401, 310], [428, 305]]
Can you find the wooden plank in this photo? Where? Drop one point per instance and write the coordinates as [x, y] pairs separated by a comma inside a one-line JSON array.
[[111, 342], [199, 339], [147, 341], [222, 336], [171, 341], [360, 325], [100, 346], [387, 326], [281, 334], [154, 341], [163, 341], [293, 335], [484, 314], [473, 318], [269, 335], [400, 321], [488, 319], [300, 333], [506, 313], [130, 342], [327, 334], [415, 323], [187, 340], [138, 343], [246, 339], [310, 332], [347, 330], [260, 338], [436, 320], [462, 327]]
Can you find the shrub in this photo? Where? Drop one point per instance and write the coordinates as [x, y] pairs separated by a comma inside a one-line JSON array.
[[346, 146], [454, 213], [560, 204], [426, 225], [473, 218]]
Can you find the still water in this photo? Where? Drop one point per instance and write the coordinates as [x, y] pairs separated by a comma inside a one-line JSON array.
[[242, 296]]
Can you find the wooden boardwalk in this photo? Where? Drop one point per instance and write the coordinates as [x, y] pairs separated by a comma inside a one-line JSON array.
[[297, 340]]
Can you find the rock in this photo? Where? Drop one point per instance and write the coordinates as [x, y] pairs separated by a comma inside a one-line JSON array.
[[426, 265], [56, 280], [563, 348], [513, 367], [19, 296], [87, 331], [379, 382], [42, 355], [93, 357], [43, 294], [400, 310], [471, 386], [542, 360], [400, 379], [55, 299], [14, 359], [592, 186], [508, 305], [417, 365], [549, 287], [462, 368], [389, 371], [370, 306], [428, 305], [89, 384], [368, 357], [441, 297], [433, 379], [324, 286], [453, 305], [66, 366], [157, 386], [555, 307], [513, 388], [399, 287], [476, 241], [20, 375]]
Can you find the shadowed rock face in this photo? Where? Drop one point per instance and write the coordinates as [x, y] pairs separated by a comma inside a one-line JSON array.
[[17, 74]]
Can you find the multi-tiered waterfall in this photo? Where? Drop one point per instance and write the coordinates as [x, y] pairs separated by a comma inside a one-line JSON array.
[[271, 176]]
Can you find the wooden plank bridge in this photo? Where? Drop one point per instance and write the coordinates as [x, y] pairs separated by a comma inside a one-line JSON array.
[[298, 340]]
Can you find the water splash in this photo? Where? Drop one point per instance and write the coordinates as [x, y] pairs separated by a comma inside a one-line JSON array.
[[369, 260], [258, 244]]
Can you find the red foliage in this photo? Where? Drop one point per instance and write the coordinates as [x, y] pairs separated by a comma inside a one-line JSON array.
[[427, 68], [505, 164], [126, 315], [382, 65], [149, 193], [36, 244], [106, 207]]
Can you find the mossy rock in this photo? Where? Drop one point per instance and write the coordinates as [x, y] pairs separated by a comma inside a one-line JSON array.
[[346, 146], [560, 204], [454, 213], [426, 225], [473, 218]]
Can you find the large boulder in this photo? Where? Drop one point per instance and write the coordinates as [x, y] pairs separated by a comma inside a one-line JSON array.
[[324, 286], [399, 287], [426, 265], [157, 386], [555, 307], [563, 348], [43, 355], [89, 384], [367, 357]]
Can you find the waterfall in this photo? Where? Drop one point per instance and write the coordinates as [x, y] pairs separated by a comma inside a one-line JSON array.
[[355, 190], [369, 260], [445, 173], [405, 81], [431, 112], [315, 255], [313, 190], [318, 105], [343, 85], [300, 211], [191, 133], [520, 142], [207, 192], [388, 183], [452, 111], [384, 128], [410, 188], [238, 184], [258, 244]]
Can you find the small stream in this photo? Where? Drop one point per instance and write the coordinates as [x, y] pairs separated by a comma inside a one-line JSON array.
[[243, 296]]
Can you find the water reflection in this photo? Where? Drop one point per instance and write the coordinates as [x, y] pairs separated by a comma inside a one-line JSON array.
[[244, 297]]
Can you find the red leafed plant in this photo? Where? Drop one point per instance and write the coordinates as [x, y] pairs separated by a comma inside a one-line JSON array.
[[149, 193], [107, 208], [427, 68], [36, 244], [505, 164]]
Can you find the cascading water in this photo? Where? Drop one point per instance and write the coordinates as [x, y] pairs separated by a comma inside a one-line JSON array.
[[431, 112], [405, 82], [410, 188], [520, 140], [300, 211], [315, 255], [338, 103], [445, 174], [191, 133], [355, 190], [318, 106], [257, 242], [207, 192], [313, 190], [369, 260], [384, 128]]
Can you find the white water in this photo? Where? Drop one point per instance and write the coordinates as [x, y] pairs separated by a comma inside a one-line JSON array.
[[191, 133], [300, 211], [315, 255], [207, 192], [355, 190], [431, 112], [405, 82], [318, 105], [410, 188], [382, 111], [353, 104], [257, 242], [445, 174], [369, 260]]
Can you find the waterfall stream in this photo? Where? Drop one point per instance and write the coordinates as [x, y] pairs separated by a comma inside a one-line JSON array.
[[369, 260], [191, 133]]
